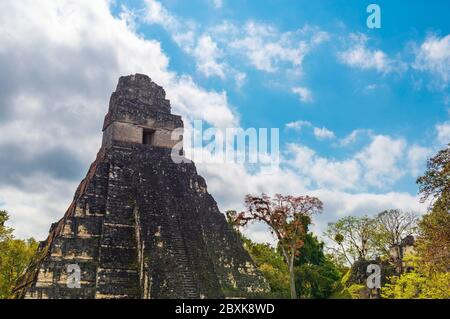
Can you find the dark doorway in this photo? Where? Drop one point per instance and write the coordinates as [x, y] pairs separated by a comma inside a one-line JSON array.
[[148, 137]]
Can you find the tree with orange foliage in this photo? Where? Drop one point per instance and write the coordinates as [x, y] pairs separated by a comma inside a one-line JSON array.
[[288, 218]]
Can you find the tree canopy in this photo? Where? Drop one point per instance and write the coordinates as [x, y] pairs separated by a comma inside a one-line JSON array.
[[288, 218], [15, 255]]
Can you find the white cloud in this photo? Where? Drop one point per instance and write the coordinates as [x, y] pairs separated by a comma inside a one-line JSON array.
[[381, 160], [195, 103], [417, 157], [217, 3], [298, 125], [240, 78], [323, 133], [218, 50], [433, 56], [130, 17], [184, 32], [36, 205], [370, 88], [358, 55], [443, 133], [338, 204], [156, 13], [322, 172], [305, 173], [207, 53], [379, 164], [353, 136], [268, 49], [60, 61], [304, 94]]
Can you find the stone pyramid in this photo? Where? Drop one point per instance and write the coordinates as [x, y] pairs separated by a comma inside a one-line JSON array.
[[141, 225]]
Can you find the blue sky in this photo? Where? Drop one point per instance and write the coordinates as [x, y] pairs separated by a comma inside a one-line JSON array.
[[345, 98], [359, 110]]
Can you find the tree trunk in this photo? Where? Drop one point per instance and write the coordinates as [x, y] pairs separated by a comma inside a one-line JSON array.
[[292, 277], [290, 263]]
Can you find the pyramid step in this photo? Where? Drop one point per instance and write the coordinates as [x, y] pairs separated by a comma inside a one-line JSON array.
[[179, 248]]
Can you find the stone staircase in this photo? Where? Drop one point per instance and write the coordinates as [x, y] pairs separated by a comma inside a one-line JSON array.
[[178, 245]]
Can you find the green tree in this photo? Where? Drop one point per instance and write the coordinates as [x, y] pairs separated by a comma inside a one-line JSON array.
[[433, 244], [390, 227], [421, 283], [15, 255], [320, 278], [271, 264], [288, 218], [5, 232], [352, 239], [430, 276]]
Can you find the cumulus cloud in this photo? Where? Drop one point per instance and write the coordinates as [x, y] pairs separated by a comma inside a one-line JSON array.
[[417, 156], [379, 164], [339, 204], [196, 103], [303, 171], [156, 13], [358, 55], [443, 133], [240, 78], [382, 160], [321, 172], [353, 136], [185, 33], [219, 50], [60, 62], [433, 56], [267, 48], [298, 125], [35, 205], [304, 94], [207, 53], [322, 133]]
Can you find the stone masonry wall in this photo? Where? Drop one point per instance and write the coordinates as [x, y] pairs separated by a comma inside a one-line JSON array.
[[146, 228]]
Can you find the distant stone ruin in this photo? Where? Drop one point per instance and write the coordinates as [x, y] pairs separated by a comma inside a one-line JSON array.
[[140, 225], [397, 254]]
